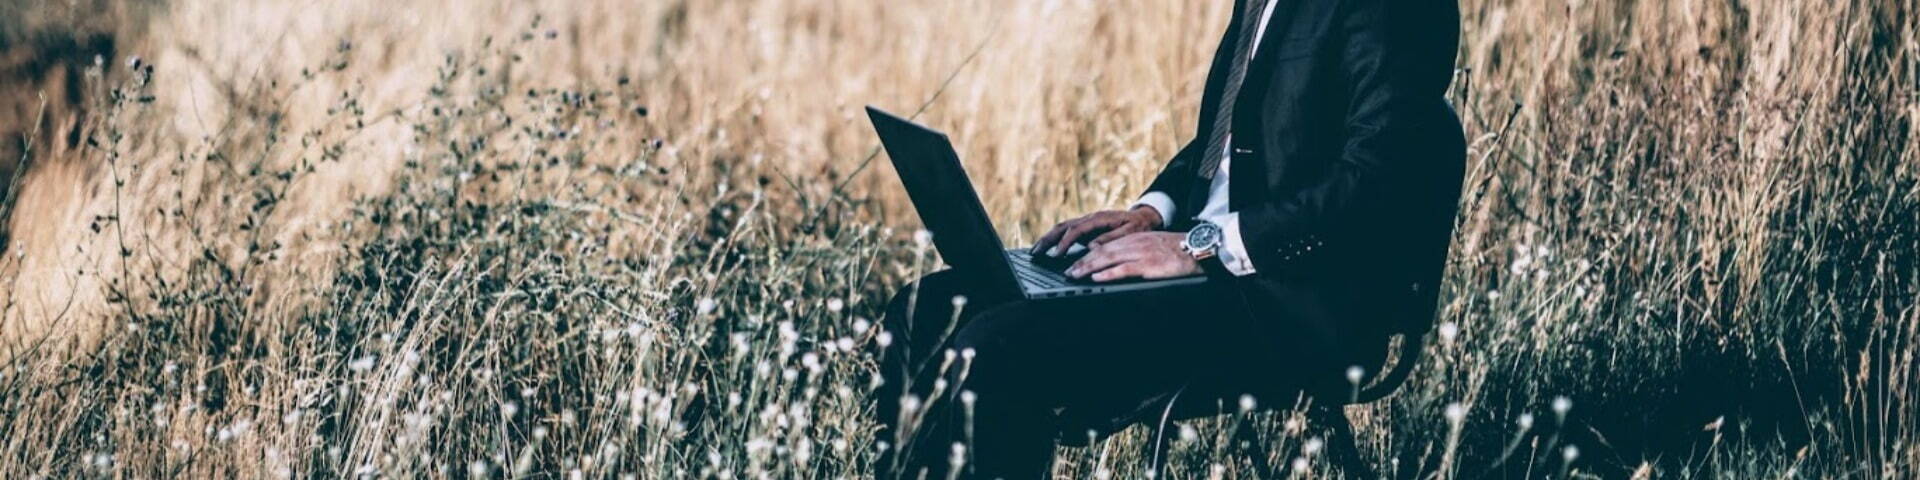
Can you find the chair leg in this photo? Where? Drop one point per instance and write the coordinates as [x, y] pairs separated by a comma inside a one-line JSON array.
[[1341, 449], [1247, 440], [1157, 443]]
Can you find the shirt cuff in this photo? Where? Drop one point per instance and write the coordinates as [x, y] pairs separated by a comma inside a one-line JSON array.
[[1233, 253], [1160, 202]]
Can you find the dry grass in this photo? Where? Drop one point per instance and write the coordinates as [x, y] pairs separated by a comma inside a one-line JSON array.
[[430, 238]]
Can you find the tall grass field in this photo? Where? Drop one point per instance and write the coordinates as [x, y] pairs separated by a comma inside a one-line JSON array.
[[597, 239]]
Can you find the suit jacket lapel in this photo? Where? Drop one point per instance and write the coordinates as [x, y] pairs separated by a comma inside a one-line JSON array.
[[1278, 28]]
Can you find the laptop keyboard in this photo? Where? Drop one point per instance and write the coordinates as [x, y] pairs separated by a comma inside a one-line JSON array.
[[1034, 275]]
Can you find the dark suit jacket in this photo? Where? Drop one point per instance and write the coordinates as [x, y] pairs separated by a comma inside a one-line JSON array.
[[1346, 173]]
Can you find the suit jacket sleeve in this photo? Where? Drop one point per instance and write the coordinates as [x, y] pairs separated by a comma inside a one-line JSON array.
[[1397, 56], [1177, 178]]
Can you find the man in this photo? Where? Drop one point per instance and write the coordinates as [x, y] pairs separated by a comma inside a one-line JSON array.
[[1328, 164]]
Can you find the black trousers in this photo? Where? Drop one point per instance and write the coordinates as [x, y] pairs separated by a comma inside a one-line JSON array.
[[994, 377]]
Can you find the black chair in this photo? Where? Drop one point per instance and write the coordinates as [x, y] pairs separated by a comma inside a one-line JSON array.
[[1325, 417]]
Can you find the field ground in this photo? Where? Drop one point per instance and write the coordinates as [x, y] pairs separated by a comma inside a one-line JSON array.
[[436, 238]]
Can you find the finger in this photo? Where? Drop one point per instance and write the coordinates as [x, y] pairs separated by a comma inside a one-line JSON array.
[[1121, 271], [1101, 260], [1080, 230], [1117, 233], [1084, 265], [1052, 235]]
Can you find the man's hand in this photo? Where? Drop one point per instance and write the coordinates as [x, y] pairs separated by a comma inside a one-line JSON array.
[[1109, 225], [1147, 255]]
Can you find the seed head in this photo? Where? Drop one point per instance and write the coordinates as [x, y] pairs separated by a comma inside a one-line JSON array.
[[1561, 405]]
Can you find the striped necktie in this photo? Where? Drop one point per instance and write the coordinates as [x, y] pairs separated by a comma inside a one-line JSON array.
[[1236, 75]]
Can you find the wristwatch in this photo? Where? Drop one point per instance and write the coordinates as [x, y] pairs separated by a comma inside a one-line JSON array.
[[1203, 241]]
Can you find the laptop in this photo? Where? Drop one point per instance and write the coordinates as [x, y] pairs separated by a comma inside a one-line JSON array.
[[950, 208]]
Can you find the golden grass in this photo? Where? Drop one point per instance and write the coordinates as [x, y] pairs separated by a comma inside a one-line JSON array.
[[431, 238]]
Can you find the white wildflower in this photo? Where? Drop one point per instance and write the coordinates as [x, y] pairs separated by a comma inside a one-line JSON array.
[[811, 361]]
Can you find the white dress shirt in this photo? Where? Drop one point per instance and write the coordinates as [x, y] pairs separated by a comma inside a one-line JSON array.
[[1233, 253]]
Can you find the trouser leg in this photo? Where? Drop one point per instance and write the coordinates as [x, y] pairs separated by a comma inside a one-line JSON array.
[[1029, 358], [919, 324]]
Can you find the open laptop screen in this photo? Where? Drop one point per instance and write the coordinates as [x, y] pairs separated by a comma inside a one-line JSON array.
[[946, 201]]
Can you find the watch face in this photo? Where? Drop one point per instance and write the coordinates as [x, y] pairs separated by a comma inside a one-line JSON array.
[[1204, 236]]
